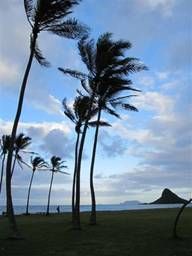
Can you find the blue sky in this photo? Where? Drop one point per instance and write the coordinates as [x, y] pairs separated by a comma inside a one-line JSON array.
[[142, 153]]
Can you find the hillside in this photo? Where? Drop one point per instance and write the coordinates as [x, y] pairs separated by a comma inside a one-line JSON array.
[[168, 197]]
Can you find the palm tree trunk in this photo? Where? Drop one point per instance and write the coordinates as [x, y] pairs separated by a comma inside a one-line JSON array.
[[49, 195], [2, 171], [178, 216], [74, 177], [29, 191], [77, 222], [13, 167], [92, 220], [10, 210]]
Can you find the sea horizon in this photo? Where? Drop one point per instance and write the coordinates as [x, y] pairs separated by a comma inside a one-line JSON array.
[[35, 209]]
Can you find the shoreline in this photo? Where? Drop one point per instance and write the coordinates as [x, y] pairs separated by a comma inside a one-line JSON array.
[[99, 211]]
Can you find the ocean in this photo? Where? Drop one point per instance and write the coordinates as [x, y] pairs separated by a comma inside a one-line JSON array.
[[84, 208]]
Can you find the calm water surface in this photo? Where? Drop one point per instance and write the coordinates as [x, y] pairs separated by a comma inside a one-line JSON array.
[[100, 207]]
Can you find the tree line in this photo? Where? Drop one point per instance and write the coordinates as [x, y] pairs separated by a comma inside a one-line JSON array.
[[37, 163]]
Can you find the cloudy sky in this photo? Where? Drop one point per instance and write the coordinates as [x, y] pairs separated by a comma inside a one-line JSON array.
[[142, 153]]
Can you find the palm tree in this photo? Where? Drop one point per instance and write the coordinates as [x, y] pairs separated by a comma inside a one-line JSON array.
[[42, 15], [56, 166], [4, 144], [37, 163], [107, 68], [107, 99], [21, 143], [78, 115], [175, 235]]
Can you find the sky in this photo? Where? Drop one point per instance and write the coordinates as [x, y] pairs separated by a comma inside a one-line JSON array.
[[142, 153]]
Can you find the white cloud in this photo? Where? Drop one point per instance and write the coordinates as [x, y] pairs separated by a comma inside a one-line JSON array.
[[162, 75], [165, 6], [155, 101], [9, 73], [147, 81], [34, 128]]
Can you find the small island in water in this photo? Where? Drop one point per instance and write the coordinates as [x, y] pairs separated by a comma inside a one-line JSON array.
[[168, 197]]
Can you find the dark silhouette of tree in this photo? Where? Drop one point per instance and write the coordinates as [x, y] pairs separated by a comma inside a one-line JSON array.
[[78, 115], [56, 166], [107, 68], [21, 143], [107, 99], [5, 144], [36, 163], [175, 235], [42, 15]]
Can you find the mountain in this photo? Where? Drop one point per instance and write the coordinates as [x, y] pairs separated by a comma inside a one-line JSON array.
[[168, 197], [131, 202]]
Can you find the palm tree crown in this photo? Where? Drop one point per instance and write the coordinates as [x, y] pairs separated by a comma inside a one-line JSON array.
[[79, 113], [37, 163], [49, 15], [5, 143], [57, 164]]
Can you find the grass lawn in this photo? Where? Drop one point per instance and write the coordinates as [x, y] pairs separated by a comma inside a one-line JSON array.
[[130, 233]]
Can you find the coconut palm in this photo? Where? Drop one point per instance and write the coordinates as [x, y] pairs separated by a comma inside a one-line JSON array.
[[175, 234], [56, 166], [36, 163], [107, 68], [78, 115], [42, 15], [105, 103], [21, 143], [4, 144]]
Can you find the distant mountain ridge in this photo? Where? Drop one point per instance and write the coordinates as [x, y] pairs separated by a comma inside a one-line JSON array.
[[131, 202], [168, 197]]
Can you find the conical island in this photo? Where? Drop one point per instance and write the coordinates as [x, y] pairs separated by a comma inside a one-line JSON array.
[[168, 197]]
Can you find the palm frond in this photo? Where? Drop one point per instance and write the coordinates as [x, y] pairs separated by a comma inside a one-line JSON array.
[[86, 86], [70, 28], [40, 58], [73, 73], [87, 53], [22, 141], [123, 97], [51, 12], [129, 107], [101, 123], [67, 111], [111, 112], [64, 172], [29, 8]]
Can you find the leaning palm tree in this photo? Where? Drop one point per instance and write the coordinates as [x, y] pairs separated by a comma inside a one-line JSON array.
[[36, 163], [4, 144], [175, 234], [107, 67], [21, 143], [56, 166], [42, 15], [105, 103], [78, 115]]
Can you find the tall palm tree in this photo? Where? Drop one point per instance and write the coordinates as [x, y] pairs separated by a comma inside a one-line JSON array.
[[56, 166], [107, 67], [36, 163], [21, 143], [42, 15], [4, 144], [104, 103], [78, 115]]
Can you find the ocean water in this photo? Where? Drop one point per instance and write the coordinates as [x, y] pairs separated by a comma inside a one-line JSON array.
[[100, 207]]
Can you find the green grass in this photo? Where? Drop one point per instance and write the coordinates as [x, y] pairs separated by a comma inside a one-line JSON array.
[[133, 233]]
